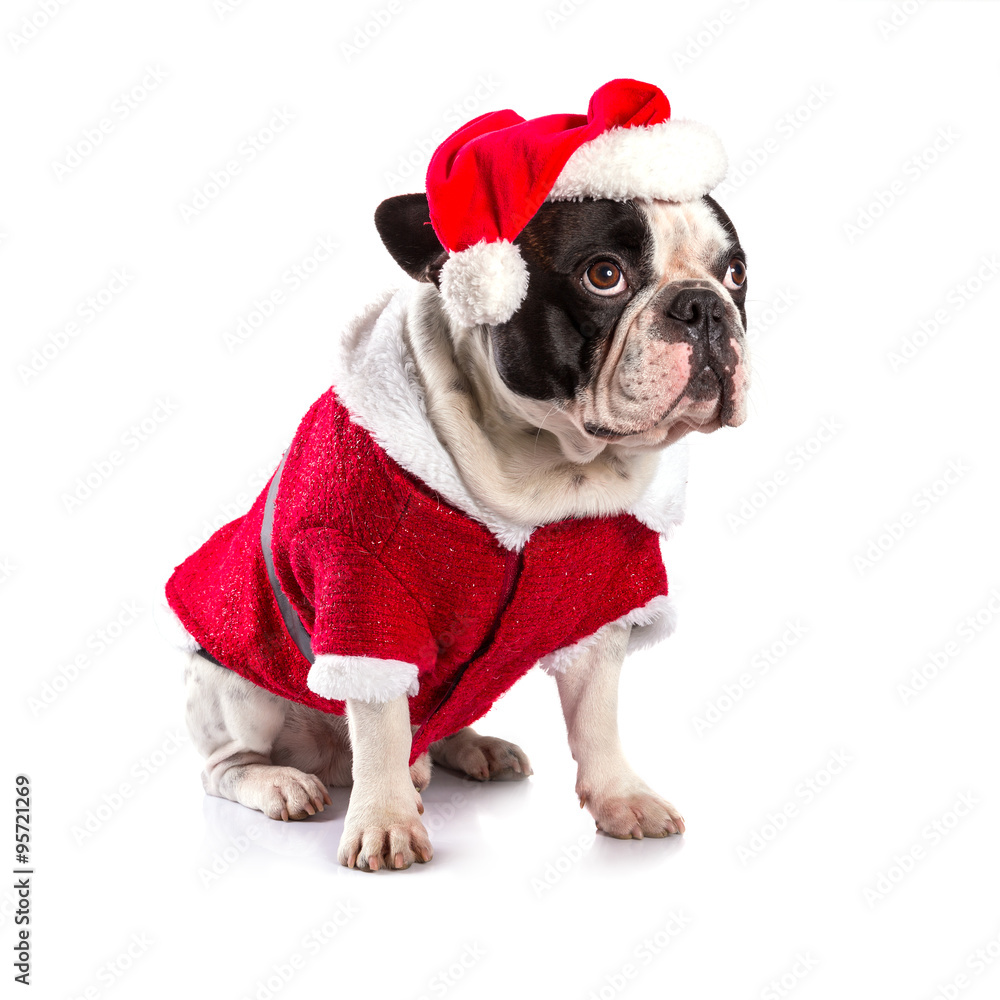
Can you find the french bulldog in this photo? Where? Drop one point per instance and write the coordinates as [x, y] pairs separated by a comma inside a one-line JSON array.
[[631, 335], [487, 485]]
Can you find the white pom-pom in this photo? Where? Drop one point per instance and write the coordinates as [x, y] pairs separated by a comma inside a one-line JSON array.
[[485, 283]]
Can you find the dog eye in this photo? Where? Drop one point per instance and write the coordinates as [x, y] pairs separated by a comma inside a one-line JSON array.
[[605, 278], [736, 274]]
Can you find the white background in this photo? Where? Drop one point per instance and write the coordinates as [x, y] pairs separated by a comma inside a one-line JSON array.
[[124, 840]]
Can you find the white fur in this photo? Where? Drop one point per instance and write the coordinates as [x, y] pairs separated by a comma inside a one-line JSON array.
[[672, 161], [661, 507], [484, 283], [366, 678], [652, 623]]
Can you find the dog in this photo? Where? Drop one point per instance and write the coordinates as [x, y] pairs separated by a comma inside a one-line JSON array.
[[485, 488]]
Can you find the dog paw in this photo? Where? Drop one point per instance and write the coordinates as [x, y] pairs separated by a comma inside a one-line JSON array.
[[390, 842], [481, 757], [287, 793], [633, 815]]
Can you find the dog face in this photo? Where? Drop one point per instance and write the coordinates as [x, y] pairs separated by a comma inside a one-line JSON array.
[[632, 332]]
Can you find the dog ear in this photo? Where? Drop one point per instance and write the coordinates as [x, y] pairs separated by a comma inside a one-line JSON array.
[[404, 223]]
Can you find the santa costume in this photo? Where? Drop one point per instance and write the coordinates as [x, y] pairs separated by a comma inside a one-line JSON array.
[[365, 569]]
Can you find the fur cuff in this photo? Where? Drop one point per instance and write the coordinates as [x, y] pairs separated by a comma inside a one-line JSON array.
[[651, 623], [364, 678]]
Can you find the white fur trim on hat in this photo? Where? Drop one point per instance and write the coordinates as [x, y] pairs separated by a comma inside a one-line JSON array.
[[366, 678], [671, 161], [484, 283]]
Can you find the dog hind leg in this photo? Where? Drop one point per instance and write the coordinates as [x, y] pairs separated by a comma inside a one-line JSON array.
[[480, 757], [236, 725]]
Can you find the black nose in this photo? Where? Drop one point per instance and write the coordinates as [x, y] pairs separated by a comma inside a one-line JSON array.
[[702, 312]]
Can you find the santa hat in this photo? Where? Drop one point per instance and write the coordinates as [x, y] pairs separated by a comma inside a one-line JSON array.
[[487, 180]]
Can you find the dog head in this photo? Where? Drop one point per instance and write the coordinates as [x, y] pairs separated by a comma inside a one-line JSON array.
[[632, 332]]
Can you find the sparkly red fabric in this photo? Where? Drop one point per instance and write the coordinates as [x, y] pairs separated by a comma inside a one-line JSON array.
[[378, 565]]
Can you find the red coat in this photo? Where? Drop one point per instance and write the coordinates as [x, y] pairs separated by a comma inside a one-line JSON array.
[[378, 566]]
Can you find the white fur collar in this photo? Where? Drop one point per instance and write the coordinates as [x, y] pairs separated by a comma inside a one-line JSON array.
[[377, 382]]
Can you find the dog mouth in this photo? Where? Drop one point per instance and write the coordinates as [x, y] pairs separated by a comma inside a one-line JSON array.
[[707, 402]]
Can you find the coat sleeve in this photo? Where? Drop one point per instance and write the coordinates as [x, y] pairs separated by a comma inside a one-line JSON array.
[[369, 634]]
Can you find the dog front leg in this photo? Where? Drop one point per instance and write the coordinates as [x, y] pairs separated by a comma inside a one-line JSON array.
[[623, 805], [382, 828]]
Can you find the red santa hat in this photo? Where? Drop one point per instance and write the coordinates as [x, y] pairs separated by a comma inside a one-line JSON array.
[[487, 180]]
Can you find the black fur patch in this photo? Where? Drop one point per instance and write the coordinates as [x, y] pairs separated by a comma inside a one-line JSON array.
[[554, 343]]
